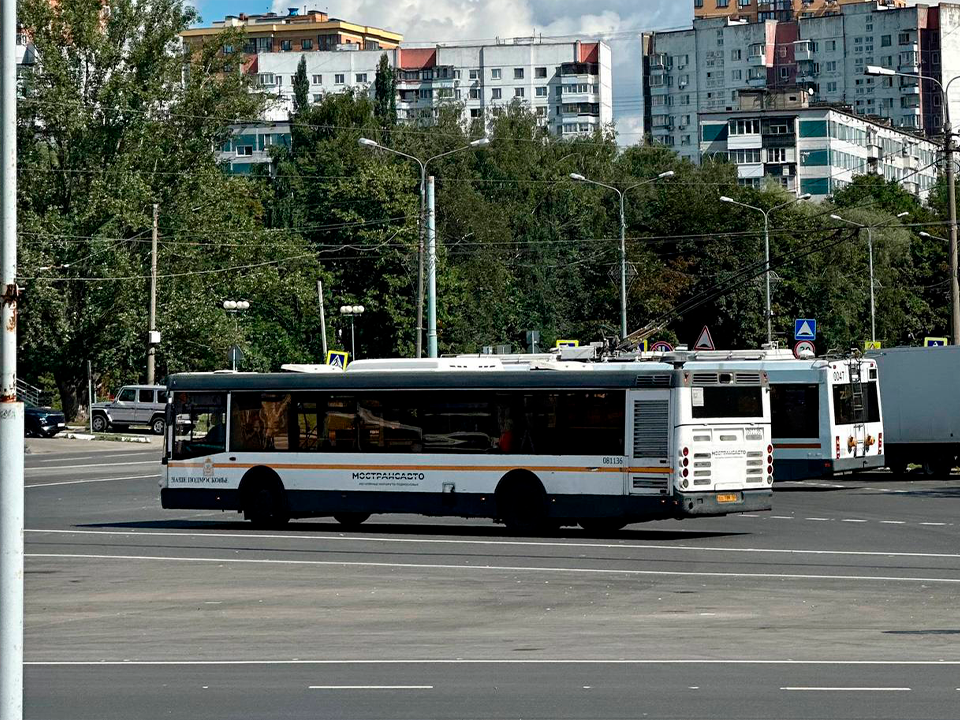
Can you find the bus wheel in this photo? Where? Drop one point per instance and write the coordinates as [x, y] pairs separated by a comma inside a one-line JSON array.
[[351, 521], [522, 503], [262, 500], [603, 526]]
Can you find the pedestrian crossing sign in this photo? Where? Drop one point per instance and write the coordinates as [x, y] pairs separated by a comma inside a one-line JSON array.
[[871, 344], [934, 341], [567, 343], [338, 358]]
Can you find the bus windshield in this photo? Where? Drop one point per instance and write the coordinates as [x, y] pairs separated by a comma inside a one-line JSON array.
[[198, 427]]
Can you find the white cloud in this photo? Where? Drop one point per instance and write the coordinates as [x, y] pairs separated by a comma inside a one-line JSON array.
[[619, 23]]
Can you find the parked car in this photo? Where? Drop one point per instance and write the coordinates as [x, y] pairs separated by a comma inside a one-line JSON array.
[[43, 422], [142, 405]]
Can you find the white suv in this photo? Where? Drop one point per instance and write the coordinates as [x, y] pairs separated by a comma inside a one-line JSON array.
[[143, 405]]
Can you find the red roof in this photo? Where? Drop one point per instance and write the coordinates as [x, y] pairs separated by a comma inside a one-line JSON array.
[[417, 58], [589, 53]]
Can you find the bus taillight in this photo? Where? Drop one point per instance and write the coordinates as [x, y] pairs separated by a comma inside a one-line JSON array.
[[880, 443], [838, 447]]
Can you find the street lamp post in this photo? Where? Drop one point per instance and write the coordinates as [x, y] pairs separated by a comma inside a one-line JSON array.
[[623, 235], [873, 305], [233, 307], [352, 311], [426, 226], [766, 244], [951, 187]]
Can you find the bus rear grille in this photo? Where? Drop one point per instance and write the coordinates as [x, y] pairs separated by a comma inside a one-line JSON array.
[[653, 380], [702, 378], [753, 378], [652, 486], [650, 430]]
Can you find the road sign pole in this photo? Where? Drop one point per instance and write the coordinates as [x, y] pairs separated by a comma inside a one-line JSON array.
[[873, 305]]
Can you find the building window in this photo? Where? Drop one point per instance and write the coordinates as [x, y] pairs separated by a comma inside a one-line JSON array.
[[474, 74], [776, 155], [496, 94], [723, 3], [736, 54], [285, 46], [542, 91], [904, 38], [831, 45], [746, 156], [476, 113], [518, 73], [474, 93], [425, 94], [784, 73], [495, 74], [750, 126], [306, 44], [318, 79], [245, 150], [542, 111], [361, 77], [518, 92], [317, 97], [338, 79], [540, 72]]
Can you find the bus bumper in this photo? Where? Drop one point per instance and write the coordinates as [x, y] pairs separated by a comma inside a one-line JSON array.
[[717, 503], [860, 463]]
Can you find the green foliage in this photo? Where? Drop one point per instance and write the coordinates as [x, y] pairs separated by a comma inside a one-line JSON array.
[[385, 94], [301, 87]]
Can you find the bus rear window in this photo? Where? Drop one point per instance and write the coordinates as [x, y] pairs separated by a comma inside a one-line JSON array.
[[795, 410], [727, 401], [844, 407], [198, 424]]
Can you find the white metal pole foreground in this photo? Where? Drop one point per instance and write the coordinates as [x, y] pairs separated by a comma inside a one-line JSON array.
[[623, 235], [951, 187], [766, 245], [374, 145], [11, 411], [431, 270]]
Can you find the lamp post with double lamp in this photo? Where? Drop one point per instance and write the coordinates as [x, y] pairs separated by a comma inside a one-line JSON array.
[[766, 245], [876, 70], [623, 235], [233, 307], [352, 311], [427, 223]]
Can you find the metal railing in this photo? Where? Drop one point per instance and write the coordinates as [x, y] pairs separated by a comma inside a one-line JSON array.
[[28, 394]]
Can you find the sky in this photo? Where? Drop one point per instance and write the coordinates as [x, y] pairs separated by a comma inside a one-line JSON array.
[[618, 22]]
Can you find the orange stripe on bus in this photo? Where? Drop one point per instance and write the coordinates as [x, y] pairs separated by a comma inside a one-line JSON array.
[[407, 468]]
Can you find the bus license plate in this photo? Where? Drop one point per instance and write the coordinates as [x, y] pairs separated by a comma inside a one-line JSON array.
[[731, 497]]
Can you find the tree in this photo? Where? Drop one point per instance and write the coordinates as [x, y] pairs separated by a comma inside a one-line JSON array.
[[301, 87], [113, 125], [385, 94]]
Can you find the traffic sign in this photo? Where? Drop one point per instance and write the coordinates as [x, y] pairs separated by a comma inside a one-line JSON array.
[[643, 345], [934, 341], [805, 329], [705, 341], [567, 343], [661, 346], [871, 344], [804, 349], [338, 358]]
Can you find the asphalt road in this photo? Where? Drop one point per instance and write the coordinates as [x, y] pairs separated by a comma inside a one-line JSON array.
[[841, 603]]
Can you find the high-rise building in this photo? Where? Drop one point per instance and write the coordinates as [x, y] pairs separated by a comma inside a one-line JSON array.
[[566, 84], [783, 10], [703, 69]]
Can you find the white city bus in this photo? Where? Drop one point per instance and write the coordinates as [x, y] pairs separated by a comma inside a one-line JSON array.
[[534, 449], [825, 412]]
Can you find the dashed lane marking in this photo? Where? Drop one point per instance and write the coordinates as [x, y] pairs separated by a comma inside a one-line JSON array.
[[500, 568], [84, 482], [501, 661], [850, 689], [370, 687]]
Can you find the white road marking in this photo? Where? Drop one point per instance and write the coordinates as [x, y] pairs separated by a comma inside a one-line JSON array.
[[370, 687], [499, 568], [817, 518], [893, 522], [499, 661], [852, 520], [782, 517], [937, 524], [93, 465], [520, 543], [850, 689], [84, 457], [83, 482]]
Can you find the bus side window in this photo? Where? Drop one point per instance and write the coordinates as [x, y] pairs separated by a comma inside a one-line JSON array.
[[340, 424], [259, 422]]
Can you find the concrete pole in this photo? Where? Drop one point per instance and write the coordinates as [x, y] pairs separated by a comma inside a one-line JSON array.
[[11, 411], [151, 348], [952, 203], [323, 320], [766, 242], [873, 304], [90, 395], [431, 270], [423, 204], [623, 269]]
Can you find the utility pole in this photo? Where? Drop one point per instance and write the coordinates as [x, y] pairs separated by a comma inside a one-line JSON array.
[[151, 344], [431, 271], [11, 411], [952, 203]]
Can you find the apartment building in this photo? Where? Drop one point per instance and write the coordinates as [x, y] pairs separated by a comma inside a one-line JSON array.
[[311, 31], [783, 10], [704, 69], [814, 149], [567, 84]]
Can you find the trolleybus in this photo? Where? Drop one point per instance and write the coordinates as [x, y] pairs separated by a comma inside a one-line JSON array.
[[534, 449]]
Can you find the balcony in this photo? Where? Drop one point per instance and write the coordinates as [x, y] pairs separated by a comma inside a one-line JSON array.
[[803, 50], [757, 81], [758, 57], [910, 90]]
